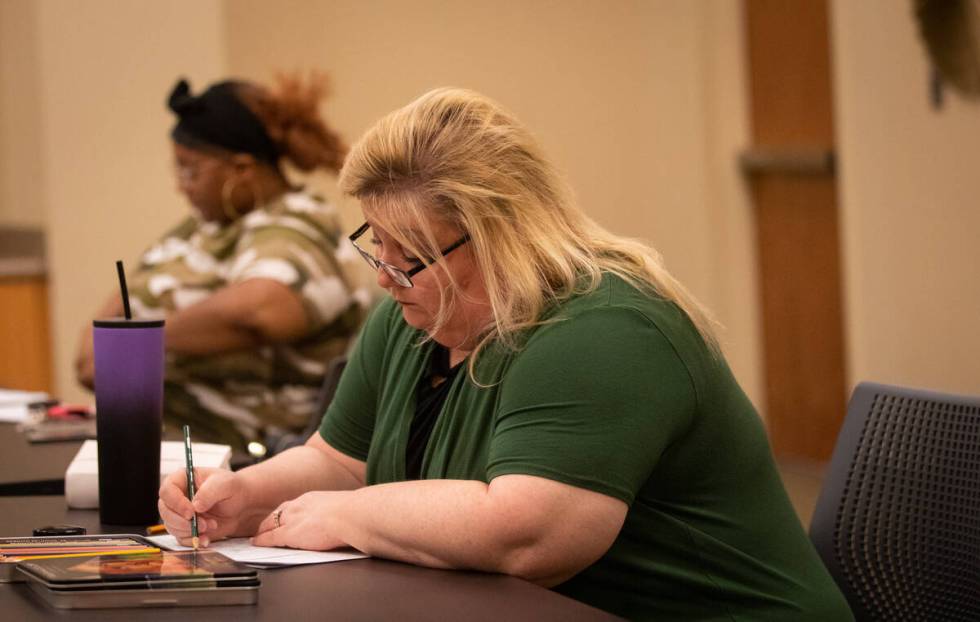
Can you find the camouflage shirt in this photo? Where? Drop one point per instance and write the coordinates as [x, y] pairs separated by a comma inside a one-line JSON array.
[[235, 397]]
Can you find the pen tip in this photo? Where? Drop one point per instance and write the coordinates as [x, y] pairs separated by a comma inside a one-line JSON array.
[[195, 542]]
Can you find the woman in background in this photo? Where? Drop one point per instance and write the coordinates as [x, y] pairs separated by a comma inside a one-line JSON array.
[[251, 285], [537, 397]]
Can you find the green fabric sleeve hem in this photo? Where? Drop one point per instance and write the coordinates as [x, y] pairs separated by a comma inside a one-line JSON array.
[[330, 437], [564, 478]]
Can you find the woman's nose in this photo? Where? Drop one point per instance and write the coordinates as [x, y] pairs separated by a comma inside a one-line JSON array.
[[384, 279]]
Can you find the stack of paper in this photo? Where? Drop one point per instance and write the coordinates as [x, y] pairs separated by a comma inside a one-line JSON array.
[[13, 404], [82, 476]]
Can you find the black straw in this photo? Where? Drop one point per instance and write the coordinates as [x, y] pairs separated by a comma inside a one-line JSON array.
[[122, 288]]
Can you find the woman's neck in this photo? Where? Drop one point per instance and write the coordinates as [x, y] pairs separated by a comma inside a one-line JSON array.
[[457, 356], [270, 187]]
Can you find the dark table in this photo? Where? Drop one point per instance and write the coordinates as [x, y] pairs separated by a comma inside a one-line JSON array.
[[365, 589], [33, 468]]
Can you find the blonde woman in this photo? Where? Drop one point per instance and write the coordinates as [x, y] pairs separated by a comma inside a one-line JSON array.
[[537, 397]]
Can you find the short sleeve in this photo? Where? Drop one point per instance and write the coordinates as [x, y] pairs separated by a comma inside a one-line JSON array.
[[592, 401], [298, 253], [157, 277], [348, 424]]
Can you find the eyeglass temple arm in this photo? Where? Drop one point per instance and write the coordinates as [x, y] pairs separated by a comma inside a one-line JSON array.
[[360, 231], [443, 253]]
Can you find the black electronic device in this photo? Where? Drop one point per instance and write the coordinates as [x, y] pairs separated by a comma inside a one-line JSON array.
[[60, 530]]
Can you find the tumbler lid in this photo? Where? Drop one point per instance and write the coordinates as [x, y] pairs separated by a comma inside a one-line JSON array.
[[121, 322]]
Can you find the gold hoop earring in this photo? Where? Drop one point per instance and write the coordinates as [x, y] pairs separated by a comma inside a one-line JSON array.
[[227, 205]]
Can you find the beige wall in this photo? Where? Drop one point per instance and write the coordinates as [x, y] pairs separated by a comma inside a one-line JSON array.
[[640, 103], [106, 68], [910, 186], [21, 170]]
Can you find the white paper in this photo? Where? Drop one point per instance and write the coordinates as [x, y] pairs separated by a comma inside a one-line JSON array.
[[240, 550], [13, 404], [82, 475], [13, 396], [13, 413]]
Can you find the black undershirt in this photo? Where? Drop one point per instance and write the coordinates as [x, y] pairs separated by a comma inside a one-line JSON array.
[[428, 403]]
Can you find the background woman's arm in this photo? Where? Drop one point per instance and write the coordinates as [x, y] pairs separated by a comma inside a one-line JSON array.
[[240, 316]]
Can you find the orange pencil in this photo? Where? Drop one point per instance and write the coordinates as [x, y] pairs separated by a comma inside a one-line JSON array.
[[149, 549]]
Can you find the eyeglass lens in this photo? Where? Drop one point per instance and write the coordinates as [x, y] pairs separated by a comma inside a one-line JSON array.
[[363, 240]]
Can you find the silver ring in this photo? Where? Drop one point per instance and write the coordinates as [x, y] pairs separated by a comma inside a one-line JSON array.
[[276, 516]]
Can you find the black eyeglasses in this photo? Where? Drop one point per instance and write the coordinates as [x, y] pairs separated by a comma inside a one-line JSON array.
[[399, 276]]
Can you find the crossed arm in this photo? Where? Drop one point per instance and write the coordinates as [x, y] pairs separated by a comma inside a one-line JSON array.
[[538, 529], [240, 316]]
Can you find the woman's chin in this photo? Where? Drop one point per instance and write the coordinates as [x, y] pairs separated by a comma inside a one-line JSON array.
[[199, 214], [415, 317], [205, 214]]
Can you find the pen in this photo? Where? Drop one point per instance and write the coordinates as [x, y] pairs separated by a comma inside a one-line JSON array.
[[153, 530], [195, 540]]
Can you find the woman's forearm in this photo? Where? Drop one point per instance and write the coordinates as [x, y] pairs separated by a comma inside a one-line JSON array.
[[216, 324], [313, 466], [208, 329], [436, 523], [238, 317], [292, 473], [534, 528]]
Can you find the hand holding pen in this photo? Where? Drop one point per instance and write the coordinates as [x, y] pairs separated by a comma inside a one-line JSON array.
[[220, 504], [189, 459]]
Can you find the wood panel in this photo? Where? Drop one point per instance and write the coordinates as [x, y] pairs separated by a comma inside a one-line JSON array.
[[25, 344], [789, 64], [797, 226]]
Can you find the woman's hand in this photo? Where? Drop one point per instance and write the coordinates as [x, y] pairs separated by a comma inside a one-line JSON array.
[[221, 504], [303, 523], [85, 354], [85, 360], [235, 504]]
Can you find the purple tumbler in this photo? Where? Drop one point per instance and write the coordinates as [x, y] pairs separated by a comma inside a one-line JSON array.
[[129, 410]]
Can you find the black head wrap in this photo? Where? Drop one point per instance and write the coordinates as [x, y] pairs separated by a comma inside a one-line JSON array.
[[217, 117]]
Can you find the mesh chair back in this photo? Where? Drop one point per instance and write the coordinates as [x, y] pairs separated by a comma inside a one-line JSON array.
[[898, 520]]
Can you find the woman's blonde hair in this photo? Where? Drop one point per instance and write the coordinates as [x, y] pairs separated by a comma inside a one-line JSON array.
[[459, 156]]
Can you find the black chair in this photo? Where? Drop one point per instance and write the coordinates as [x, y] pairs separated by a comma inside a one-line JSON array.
[[330, 381], [898, 520]]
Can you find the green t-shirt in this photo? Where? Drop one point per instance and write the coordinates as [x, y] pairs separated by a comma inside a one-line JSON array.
[[618, 395]]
